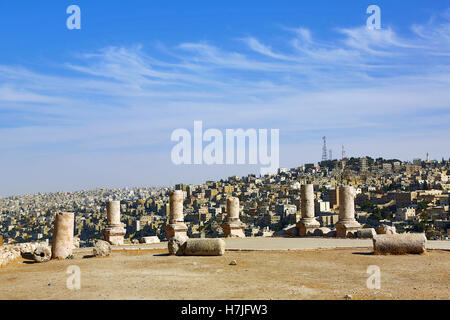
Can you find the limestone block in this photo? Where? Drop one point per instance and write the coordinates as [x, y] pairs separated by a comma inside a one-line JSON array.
[[204, 247], [153, 239], [27, 247], [8, 255], [403, 243], [320, 232], [101, 248], [385, 229], [175, 244], [76, 242], [42, 254], [175, 229], [233, 229], [287, 232], [367, 233], [267, 234], [331, 234], [352, 234]]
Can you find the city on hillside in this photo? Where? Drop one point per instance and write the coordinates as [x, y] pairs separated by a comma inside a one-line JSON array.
[[412, 196]]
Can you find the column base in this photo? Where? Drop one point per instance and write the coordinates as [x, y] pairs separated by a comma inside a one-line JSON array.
[[233, 229], [176, 229], [347, 229], [306, 227], [114, 234]]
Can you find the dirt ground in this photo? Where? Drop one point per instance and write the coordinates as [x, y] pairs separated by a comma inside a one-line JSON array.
[[314, 274]]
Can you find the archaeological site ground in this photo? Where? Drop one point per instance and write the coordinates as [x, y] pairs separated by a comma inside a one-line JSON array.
[[313, 269]]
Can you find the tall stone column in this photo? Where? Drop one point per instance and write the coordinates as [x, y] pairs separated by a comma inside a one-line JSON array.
[[176, 224], [233, 227], [307, 223], [115, 231], [347, 224], [62, 242]]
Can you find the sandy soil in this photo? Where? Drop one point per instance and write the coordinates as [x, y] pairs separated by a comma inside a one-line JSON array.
[[152, 274]]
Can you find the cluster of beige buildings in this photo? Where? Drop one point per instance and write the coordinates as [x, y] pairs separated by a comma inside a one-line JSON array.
[[405, 195]]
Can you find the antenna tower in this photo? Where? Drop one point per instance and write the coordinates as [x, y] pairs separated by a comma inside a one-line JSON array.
[[324, 149]]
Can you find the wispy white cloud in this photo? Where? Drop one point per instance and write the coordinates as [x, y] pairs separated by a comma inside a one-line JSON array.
[[363, 83]]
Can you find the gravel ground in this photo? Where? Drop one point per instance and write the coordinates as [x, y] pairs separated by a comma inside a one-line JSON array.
[[305, 274]]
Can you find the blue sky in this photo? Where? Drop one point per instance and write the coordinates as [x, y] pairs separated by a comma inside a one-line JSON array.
[[95, 107]]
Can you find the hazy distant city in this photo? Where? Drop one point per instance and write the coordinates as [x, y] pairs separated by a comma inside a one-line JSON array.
[[412, 196]]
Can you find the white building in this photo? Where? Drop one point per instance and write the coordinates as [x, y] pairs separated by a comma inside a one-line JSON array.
[[405, 213]]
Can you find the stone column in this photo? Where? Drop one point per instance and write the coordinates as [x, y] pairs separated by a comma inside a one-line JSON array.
[[113, 212], [62, 242], [176, 224], [176, 207], [307, 223], [233, 227], [347, 224], [114, 232]]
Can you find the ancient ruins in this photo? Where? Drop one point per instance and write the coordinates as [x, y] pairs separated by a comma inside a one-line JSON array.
[[308, 224], [115, 231], [176, 224], [347, 225], [233, 227], [385, 238], [62, 243]]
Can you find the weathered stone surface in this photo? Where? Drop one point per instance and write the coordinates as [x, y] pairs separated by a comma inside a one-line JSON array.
[[351, 234], [320, 232], [8, 255], [113, 212], [331, 234], [101, 248], [176, 224], [114, 232], [76, 242], [176, 243], [27, 247], [307, 224], [287, 232], [267, 234], [42, 254], [385, 229], [176, 199], [152, 239], [62, 242], [399, 243], [233, 227], [347, 224], [233, 208], [204, 247], [291, 231], [367, 233]]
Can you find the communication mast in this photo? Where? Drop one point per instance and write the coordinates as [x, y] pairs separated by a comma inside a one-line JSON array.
[[324, 149]]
